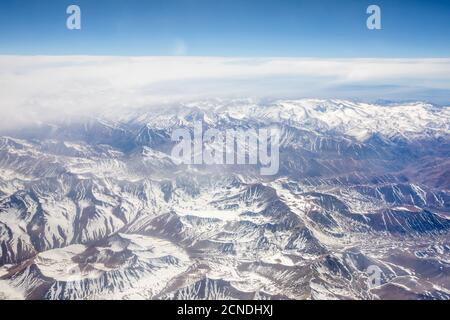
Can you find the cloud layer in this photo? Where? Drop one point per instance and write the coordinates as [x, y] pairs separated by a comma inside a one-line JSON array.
[[39, 88]]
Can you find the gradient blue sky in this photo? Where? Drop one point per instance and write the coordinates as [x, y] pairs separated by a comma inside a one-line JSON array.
[[256, 28]]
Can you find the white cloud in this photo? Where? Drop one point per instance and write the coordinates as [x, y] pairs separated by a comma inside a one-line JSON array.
[[43, 87]]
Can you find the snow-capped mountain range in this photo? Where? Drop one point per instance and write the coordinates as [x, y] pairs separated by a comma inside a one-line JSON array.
[[96, 208]]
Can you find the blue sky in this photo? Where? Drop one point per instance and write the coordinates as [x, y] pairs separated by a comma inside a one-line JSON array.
[[245, 28]]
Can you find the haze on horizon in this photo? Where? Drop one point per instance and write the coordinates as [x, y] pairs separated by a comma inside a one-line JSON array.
[[44, 88]]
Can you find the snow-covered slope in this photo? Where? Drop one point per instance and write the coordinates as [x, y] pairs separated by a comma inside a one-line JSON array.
[[97, 208]]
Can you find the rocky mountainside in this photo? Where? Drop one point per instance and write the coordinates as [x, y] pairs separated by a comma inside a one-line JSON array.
[[97, 208]]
